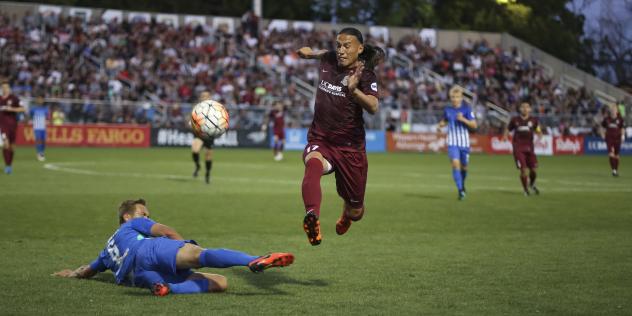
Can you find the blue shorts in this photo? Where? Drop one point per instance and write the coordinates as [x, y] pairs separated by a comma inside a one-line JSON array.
[[40, 134], [461, 154], [156, 262]]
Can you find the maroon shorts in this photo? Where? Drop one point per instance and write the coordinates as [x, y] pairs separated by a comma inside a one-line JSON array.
[[9, 131], [525, 159], [350, 168], [614, 146], [279, 133]]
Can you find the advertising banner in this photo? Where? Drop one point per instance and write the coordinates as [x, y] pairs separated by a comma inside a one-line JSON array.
[[182, 137], [375, 141], [89, 135], [596, 145], [416, 142], [501, 145], [568, 145], [295, 138]]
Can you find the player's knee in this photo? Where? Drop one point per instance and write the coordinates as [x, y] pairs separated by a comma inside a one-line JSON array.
[[219, 283], [456, 164]]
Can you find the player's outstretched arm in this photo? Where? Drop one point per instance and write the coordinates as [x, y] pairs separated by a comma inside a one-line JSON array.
[[83, 272], [308, 53], [160, 230], [368, 102]]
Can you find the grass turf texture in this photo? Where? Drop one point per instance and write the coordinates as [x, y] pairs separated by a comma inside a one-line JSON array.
[[417, 251]]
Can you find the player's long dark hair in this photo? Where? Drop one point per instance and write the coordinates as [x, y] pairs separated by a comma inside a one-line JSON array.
[[371, 56]]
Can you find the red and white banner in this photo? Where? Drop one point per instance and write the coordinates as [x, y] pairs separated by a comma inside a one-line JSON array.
[[90, 135], [500, 145], [418, 142], [543, 145], [568, 145]]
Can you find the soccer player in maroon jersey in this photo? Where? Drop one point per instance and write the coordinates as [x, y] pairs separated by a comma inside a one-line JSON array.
[[524, 126], [336, 138], [9, 108], [277, 117], [613, 123]]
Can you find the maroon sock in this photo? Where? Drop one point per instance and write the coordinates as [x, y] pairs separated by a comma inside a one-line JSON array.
[[532, 176], [616, 163], [8, 156], [311, 186], [611, 163], [523, 179]]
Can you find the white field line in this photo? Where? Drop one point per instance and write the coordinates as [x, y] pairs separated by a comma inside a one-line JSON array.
[[425, 185]]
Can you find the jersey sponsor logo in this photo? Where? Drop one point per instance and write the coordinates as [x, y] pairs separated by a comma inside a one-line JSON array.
[[331, 88], [374, 86], [524, 128]]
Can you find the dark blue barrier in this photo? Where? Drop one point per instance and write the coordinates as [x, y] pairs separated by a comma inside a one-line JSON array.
[[596, 146]]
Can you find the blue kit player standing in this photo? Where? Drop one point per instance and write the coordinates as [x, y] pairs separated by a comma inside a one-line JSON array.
[[460, 120], [39, 115], [147, 254]]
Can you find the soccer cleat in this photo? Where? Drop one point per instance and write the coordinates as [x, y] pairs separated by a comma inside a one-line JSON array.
[[276, 259], [160, 289], [615, 173], [311, 226], [195, 172], [535, 190], [40, 157], [343, 224], [526, 193], [461, 195], [8, 170]]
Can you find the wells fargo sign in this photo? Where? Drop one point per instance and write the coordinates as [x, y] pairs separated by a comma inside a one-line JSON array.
[[91, 135]]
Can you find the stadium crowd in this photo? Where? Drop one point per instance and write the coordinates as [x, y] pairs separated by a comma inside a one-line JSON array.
[[151, 72]]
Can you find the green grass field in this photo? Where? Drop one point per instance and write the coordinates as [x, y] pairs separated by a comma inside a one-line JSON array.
[[417, 251]]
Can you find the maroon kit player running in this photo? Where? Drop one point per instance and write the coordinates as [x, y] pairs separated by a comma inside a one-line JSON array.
[[277, 117], [9, 108], [613, 123], [523, 127], [336, 139]]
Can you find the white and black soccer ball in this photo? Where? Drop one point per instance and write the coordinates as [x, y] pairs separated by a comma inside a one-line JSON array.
[[209, 119]]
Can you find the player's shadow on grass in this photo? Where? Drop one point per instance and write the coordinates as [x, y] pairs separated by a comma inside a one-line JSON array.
[[269, 281], [422, 196]]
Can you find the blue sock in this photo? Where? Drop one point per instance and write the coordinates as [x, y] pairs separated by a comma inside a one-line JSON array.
[[224, 258], [463, 175], [39, 148], [189, 287], [458, 180]]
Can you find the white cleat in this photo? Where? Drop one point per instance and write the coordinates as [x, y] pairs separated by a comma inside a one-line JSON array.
[[41, 157]]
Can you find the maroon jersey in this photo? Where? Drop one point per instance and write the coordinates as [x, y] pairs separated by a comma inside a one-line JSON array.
[[613, 127], [337, 118], [278, 119], [523, 132], [9, 118]]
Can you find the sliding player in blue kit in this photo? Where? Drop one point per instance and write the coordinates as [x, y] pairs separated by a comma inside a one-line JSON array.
[[147, 254], [460, 120]]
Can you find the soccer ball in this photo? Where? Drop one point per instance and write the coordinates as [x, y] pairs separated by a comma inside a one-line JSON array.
[[209, 119]]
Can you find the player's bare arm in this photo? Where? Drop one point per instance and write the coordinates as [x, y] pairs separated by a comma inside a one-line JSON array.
[[308, 53], [83, 272], [18, 109], [441, 125], [368, 102], [160, 230], [471, 124]]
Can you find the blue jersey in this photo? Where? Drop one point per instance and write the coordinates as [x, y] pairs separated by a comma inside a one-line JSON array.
[[39, 114], [120, 251], [458, 133]]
